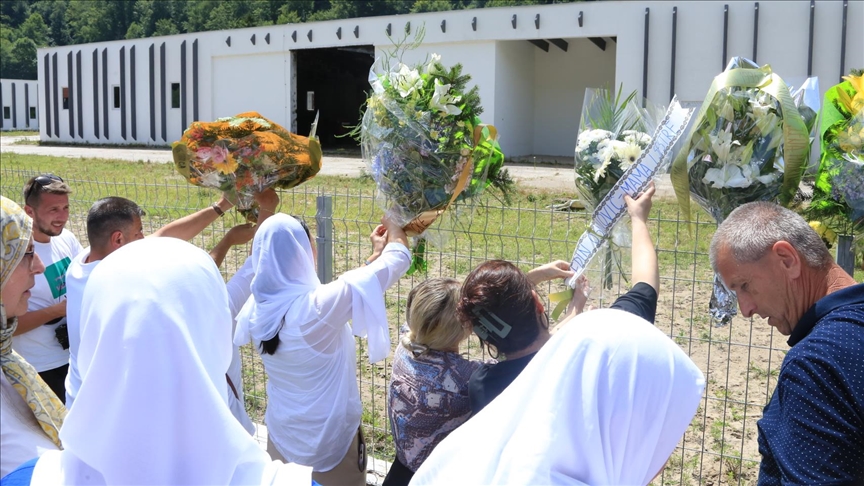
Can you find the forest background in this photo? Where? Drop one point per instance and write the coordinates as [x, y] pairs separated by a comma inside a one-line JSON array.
[[26, 25]]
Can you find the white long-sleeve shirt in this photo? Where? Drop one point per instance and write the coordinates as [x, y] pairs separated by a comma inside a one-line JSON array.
[[313, 402]]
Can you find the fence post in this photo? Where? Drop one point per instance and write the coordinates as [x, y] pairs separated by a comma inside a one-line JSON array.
[[324, 237], [845, 254]]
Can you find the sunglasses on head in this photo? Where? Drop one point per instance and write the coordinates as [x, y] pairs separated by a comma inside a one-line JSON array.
[[42, 181]]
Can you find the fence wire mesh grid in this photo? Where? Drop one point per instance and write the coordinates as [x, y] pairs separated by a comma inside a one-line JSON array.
[[741, 361]]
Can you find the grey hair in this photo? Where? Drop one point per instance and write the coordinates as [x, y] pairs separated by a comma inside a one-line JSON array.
[[752, 229]]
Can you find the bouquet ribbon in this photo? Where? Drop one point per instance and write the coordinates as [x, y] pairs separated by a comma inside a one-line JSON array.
[[796, 140], [425, 219], [612, 208]]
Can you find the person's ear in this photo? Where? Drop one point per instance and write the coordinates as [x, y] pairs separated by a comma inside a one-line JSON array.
[[790, 260], [117, 240], [28, 211]]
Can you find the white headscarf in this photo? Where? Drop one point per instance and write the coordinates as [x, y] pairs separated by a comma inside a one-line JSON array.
[[284, 280], [605, 401], [284, 285], [152, 407]]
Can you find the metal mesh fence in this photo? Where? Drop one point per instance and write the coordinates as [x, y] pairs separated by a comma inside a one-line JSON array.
[[741, 361]]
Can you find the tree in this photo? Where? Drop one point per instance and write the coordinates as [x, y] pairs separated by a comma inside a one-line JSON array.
[[165, 27], [135, 31], [35, 29], [431, 6]]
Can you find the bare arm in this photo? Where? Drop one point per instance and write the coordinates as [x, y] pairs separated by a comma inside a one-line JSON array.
[[241, 234], [32, 320], [550, 271], [644, 255], [189, 226], [238, 235]]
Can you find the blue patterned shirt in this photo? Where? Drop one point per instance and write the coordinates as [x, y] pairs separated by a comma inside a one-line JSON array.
[[812, 430]]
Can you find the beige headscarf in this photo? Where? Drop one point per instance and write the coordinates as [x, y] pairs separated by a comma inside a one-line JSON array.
[[17, 228]]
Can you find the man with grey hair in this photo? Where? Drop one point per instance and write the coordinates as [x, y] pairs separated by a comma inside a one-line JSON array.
[[812, 430]]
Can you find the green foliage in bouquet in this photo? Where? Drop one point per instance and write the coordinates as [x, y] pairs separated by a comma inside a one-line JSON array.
[[838, 194]]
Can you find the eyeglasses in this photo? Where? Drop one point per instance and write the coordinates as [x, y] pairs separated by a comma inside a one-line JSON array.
[[42, 181]]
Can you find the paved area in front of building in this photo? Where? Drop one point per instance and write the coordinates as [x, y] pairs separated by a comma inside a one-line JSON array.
[[558, 179]]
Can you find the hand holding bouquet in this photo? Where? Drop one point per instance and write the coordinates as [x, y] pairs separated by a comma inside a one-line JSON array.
[[424, 143], [613, 134], [748, 143], [244, 155]]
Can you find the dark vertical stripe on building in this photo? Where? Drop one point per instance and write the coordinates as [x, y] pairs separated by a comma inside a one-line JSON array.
[[843, 41], [645, 58], [105, 92], [755, 28], [47, 82], [55, 86], [123, 92], [725, 35], [182, 86], [132, 94], [674, 40], [152, 92], [78, 95], [2, 120], [162, 90], [14, 108], [96, 92], [69, 90], [27, 105], [195, 80]]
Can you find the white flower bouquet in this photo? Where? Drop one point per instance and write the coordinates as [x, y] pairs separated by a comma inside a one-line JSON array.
[[424, 143], [613, 134], [748, 143]]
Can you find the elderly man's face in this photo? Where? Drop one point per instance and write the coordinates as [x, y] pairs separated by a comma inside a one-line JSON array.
[[763, 288]]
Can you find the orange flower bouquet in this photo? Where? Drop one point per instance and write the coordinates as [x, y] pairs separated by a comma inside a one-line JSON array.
[[243, 155]]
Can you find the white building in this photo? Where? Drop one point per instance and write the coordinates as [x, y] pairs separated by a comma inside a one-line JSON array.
[[532, 65], [20, 101]]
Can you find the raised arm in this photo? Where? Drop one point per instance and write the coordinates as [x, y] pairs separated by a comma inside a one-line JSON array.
[[644, 255], [238, 235], [189, 226]]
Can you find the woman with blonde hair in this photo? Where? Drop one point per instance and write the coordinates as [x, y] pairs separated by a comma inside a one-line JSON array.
[[428, 393]]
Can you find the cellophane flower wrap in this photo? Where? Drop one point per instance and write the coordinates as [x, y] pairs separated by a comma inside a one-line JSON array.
[[243, 155], [425, 146], [838, 195], [748, 143], [613, 133]]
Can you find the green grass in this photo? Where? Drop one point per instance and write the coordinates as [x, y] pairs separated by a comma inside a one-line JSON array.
[[19, 133]]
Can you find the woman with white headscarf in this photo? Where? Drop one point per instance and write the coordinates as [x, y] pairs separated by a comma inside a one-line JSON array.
[[605, 401], [313, 403], [30, 413], [153, 403]]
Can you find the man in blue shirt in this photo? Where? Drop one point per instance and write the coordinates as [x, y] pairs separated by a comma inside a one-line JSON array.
[[812, 431]]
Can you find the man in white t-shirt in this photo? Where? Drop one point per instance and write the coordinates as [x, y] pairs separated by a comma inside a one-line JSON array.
[[41, 337], [113, 222]]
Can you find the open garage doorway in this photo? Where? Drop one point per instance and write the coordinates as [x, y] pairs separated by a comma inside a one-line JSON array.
[[334, 82]]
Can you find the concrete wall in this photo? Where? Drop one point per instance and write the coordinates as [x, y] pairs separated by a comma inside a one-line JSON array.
[[514, 96], [246, 75], [560, 79], [17, 96]]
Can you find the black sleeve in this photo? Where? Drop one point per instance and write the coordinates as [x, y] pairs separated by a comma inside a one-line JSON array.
[[641, 300]]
